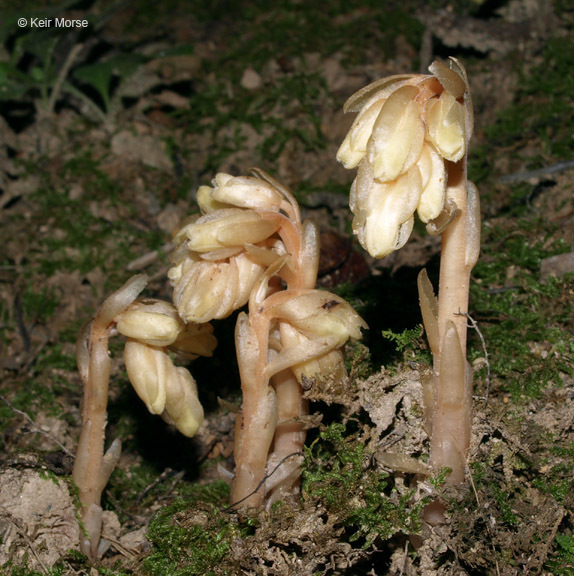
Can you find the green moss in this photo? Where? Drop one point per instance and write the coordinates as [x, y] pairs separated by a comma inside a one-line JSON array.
[[411, 344], [33, 395], [359, 364], [337, 474], [191, 537], [538, 114], [11, 570], [562, 563], [558, 477], [38, 304], [290, 34], [92, 228], [523, 320], [291, 28]]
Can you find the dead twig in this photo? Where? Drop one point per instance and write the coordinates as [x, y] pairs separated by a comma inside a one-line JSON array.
[[25, 537], [473, 324], [35, 427], [279, 464], [62, 77], [167, 473], [524, 176], [146, 259]]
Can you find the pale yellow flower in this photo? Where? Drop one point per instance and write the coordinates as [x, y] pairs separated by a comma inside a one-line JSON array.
[[246, 192], [147, 368], [329, 365], [206, 290], [384, 211], [446, 126], [151, 321], [407, 127], [313, 323], [247, 223], [182, 406], [398, 134], [227, 228], [165, 389], [195, 340]]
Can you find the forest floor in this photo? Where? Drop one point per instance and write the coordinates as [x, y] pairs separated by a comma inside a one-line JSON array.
[[107, 131]]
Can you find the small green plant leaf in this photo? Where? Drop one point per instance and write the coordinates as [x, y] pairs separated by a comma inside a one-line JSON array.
[[39, 43], [99, 75], [12, 83]]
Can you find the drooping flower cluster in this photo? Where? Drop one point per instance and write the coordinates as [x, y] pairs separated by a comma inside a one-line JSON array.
[[152, 328], [312, 325], [407, 128], [246, 224], [248, 243]]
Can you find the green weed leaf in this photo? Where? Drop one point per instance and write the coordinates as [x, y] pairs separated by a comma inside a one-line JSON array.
[[99, 75]]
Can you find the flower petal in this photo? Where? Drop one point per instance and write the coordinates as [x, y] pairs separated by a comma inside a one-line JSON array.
[[390, 207], [182, 406], [446, 119], [398, 135], [147, 370], [151, 321], [433, 173], [227, 228], [245, 192], [354, 146]]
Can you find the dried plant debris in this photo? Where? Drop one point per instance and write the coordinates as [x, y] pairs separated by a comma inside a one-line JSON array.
[[392, 402], [305, 542], [521, 24]]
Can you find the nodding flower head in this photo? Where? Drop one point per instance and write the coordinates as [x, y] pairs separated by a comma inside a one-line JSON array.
[[317, 313], [153, 327], [165, 389], [226, 229], [313, 326], [238, 191], [247, 223], [154, 322], [222, 254], [407, 128]]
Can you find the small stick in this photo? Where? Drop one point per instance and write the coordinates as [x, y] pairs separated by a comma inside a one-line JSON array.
[[279, 464], [35, 426], [473, 324], [527, 175], [62, 76], [148, 258], [22, 533]]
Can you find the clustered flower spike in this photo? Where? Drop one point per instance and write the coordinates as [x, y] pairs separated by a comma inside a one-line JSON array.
[[246, 245], [407, 128], [221, 255], [249, 242], [410, 143]]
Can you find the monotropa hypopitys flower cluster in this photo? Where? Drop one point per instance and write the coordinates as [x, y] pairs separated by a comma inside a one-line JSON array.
[[407, 128]]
